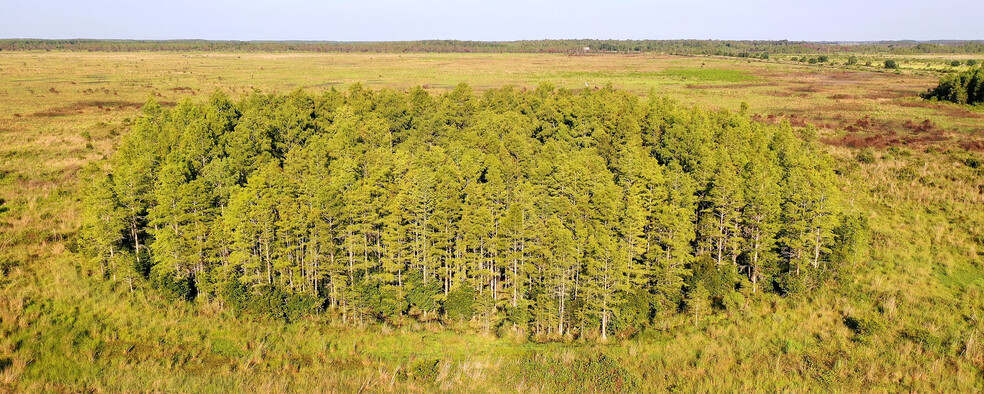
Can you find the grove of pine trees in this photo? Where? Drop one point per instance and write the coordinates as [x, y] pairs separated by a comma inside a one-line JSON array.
[[564, 213], [966, 87]]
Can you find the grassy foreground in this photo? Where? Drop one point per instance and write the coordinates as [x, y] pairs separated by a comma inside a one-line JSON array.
[[909, 318]]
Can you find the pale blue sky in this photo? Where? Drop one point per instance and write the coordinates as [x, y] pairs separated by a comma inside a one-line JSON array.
[[491, 20]]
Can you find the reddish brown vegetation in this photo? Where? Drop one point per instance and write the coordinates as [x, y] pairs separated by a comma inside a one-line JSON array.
[[865, 132], [890, 94], [794, 120], [100, 90], [806, 89], [81, 106], [975, 145], [947, 109]]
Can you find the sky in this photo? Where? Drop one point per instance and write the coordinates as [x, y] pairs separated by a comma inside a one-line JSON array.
[[494, 20]]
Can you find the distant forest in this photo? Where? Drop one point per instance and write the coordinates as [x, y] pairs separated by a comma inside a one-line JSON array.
[[684, 47], [562, 212]]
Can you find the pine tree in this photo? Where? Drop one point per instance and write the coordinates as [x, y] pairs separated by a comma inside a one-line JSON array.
[[698, 302], [102, 222]]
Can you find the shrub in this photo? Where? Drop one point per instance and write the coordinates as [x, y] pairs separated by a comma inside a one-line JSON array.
[[955, 63], [424, 370], [268, 300], [822, 58], [813, 60], [891, 64], [460, 304], [852, 60], [420, 295], [862, 327], [972, 62], [173, 287], [973, 162], [866, 156]]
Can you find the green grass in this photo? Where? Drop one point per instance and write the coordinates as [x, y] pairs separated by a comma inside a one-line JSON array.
[[708, 75], [919, 292]]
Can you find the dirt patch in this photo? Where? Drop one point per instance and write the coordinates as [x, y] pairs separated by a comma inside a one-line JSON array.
[[842, 97]]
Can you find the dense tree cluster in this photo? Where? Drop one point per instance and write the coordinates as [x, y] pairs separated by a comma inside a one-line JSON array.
[[739, 48], [966, 87], [562, 212]]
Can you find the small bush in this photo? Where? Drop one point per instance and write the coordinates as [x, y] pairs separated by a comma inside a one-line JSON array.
[[460, 304], [973, 162], [421, 370], [866, 156], [955, 63], [862, 327], [173, 287], [924, 338], [891, 64]]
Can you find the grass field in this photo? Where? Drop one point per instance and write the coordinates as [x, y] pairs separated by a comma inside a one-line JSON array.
[[908, 319]]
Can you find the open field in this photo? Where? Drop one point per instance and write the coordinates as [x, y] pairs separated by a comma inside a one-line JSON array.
[[908, 319]]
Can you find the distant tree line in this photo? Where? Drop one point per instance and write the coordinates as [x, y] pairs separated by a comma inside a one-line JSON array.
[[966, 87], [558, 212], [755, 49]]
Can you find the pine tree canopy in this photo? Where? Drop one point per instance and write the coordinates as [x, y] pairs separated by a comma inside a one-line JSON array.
[[558, 211]]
